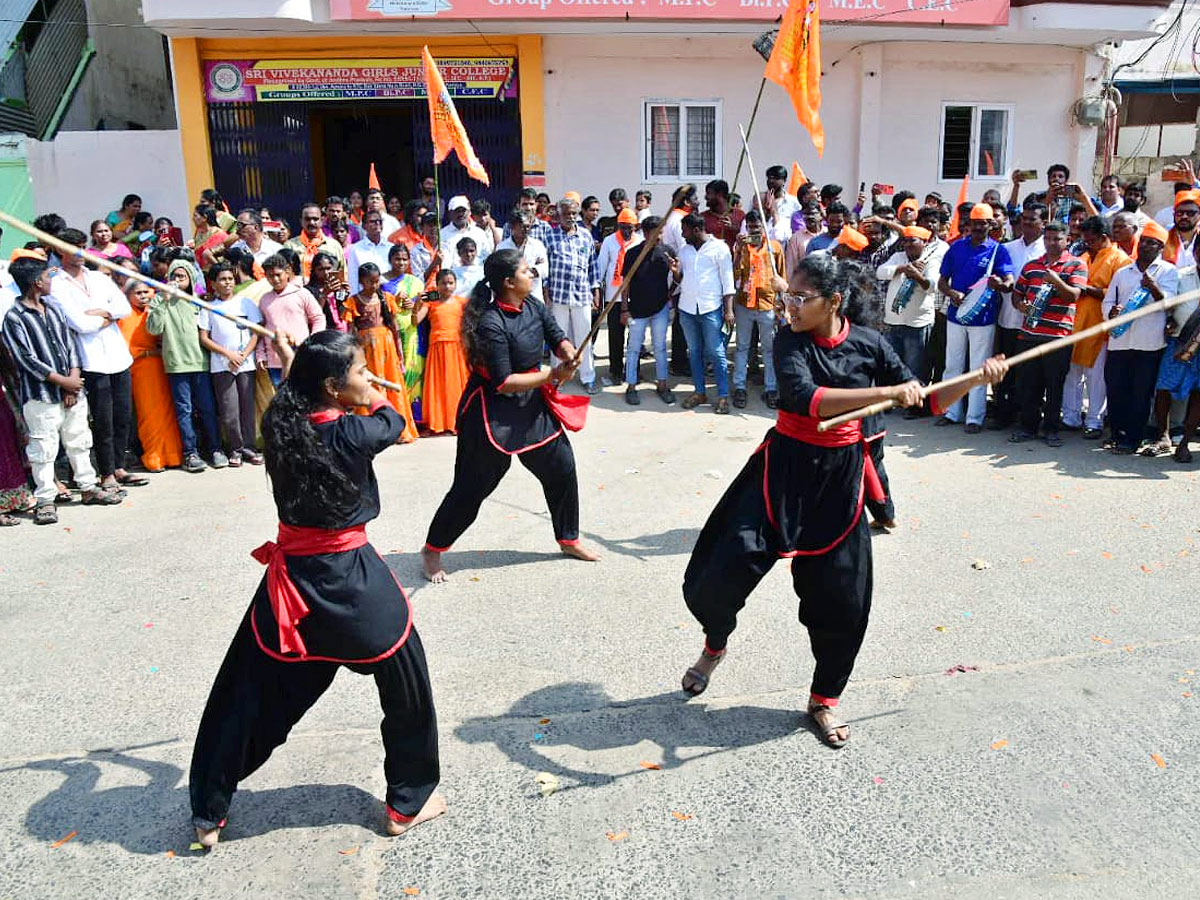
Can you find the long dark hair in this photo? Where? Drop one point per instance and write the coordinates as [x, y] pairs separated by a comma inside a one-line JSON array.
[[854, 281], [300, 465], [498, 266], [369, 268]]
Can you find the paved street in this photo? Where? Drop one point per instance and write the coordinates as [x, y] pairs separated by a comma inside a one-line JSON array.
[[1064, 767]]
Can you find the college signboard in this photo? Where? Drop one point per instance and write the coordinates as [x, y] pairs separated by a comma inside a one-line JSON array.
[[274, 80], [885, 12]]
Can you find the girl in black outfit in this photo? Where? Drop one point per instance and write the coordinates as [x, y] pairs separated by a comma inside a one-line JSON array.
[[800, 496], [510, 408], [327, 599]]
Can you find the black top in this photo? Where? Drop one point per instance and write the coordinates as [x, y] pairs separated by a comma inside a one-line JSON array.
[[859, 358], [651, 285], [354, 441], [358, 612], [510, 341]]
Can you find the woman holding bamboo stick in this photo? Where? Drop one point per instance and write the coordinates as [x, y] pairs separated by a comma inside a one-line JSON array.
[[800, 496]]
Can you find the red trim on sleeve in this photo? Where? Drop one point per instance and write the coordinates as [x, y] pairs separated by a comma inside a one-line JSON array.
[[838, 338], [377, 406], [504, 382], [321, 416], [815, 403]]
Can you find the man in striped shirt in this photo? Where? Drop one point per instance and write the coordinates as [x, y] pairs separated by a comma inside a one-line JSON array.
[[51, 390]]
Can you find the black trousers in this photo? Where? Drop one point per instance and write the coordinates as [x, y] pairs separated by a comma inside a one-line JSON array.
[[1130, 376], [616, 346], [1005, 394], [935, 352], [235, 408], [834, 588], [1040, 389], [478, 469], [881, 510], [680, 365], [256, 700], [110, 402]]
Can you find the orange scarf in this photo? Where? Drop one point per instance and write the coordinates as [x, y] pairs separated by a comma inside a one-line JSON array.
[[310, 250], [622, 243], [1174, 245], [759, 267]]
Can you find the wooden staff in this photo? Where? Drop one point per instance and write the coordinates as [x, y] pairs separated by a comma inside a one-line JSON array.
[[1025, 356], [646, 246], [758, 196], [64, 250]]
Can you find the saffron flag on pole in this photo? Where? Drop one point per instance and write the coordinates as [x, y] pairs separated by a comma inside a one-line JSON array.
[[797, 180], [962, 198], [795, 65], [445, 126], [372, 179]]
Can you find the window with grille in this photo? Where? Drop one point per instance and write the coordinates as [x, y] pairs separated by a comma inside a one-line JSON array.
[[683, 140], [976, 141]]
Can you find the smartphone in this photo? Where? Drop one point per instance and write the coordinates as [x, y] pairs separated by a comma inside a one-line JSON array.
[[1028, 174], [1170, 175], [878, 188], [862, 186], [177, 236]]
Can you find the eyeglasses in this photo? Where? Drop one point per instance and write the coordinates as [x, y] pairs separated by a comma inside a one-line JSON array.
[[799, 299]]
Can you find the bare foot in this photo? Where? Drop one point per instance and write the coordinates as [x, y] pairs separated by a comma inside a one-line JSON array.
[[208, 837], [834, 732], [695, 679], [578, 551], [432, 561], [434, 807]]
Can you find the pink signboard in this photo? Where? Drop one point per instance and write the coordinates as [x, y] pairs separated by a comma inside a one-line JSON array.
[[884, 12]]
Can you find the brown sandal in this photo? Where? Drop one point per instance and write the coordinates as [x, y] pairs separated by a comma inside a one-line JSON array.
[[828, 729], [699, 681]]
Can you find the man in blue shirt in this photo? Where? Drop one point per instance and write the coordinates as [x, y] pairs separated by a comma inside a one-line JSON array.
[[974, 270]]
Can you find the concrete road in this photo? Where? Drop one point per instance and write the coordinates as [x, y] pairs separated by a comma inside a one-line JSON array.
[[1064, 766]]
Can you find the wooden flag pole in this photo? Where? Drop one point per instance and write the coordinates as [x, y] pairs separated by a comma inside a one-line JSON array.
[[646, 246], [758, 195], [746, 150], [64, 250], [1025, 356]]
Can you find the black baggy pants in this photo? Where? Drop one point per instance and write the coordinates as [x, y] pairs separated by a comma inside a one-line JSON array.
[[256, 700], [881, 510], [110, 402]]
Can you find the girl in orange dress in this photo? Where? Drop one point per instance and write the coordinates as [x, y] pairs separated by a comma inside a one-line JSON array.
[[372, 313], [157, 430], [445, 364]]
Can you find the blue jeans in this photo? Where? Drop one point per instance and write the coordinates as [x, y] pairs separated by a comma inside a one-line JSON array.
[[276, 376], [658, 324], [746, 319], [909, 344], [706, 342], [192, 392]]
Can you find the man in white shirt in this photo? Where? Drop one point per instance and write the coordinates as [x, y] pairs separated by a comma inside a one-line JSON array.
[[779, 205], [912, 275], [704, 271], [1131, 369], [374, 202], [251, 237], [532, 250], [1025, 248], [610, 261], [1110, 202], [92, 305], [373, 248], [683, 201], [461, 226]]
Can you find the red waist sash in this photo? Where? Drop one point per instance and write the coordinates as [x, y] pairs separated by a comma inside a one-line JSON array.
[[294, 540], [570, 409], [804, 429]]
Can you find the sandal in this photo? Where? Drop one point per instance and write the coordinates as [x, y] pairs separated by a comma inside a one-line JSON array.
[[7, 521], [64, 497], [98, 497], [830, 726], [1161, 447], [128, 480], [699, 681], [45, 514]]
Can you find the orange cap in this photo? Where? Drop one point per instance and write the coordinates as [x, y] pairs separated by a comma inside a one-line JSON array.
[[1154, 231], [853, 238], [982, 211], [910, 203], [22, 253], [917, 232], [627, 217], [1187, 197], [573, 195]]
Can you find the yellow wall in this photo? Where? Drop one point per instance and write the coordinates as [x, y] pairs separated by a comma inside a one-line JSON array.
[[189, 55]]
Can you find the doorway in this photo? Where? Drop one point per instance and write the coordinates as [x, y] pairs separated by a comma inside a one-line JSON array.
[[347, 138]]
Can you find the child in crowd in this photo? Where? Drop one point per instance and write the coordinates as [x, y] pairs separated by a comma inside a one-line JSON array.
[[446, 365], [468, 272], [287, 307]]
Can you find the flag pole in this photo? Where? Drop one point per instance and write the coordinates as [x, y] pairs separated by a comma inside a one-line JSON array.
[[1032, 353], [750, 127], [66, 250], [758, 194]]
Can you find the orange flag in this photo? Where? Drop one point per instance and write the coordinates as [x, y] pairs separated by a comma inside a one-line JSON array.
[[962, 198], [795, 65], [445, 126], [373, 180], [797, 179]]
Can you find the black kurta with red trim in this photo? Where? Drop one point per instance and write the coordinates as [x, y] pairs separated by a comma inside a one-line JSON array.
[[357, 610], [814, 494], [510, 341]]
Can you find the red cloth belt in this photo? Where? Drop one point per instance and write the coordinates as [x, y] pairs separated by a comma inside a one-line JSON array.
[[294, 540], [570, 409], [804, 428]]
